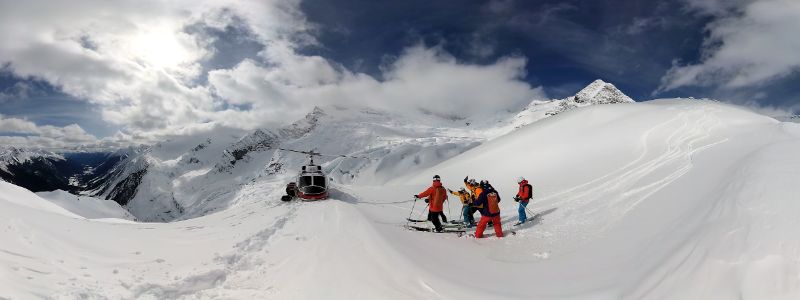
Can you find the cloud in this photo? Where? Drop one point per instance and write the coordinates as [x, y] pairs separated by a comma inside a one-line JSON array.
[[145, 64], [750, 43], [23, 133], [421, 79], [134, 59]]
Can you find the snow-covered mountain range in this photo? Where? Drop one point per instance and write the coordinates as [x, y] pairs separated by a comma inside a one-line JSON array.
[[193, 176]]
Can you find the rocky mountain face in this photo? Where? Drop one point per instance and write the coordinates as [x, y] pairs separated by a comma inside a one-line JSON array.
[[597, 92], [41, 170], [35, 170]]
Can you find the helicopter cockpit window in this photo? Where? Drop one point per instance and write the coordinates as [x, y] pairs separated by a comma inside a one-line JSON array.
[[319, 181], [305, 180]]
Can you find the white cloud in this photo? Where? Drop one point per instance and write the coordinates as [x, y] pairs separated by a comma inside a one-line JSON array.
[[137, 61], [420, 79], [750, 43], [28, 134], [15, 125], [132, 58]]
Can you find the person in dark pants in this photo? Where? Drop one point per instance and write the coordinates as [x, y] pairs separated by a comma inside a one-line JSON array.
[[436, 195]]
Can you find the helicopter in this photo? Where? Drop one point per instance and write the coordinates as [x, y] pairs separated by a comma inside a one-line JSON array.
[[311, 183]]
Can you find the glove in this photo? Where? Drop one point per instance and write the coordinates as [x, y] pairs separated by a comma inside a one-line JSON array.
[[449, 190], [416, 197], [426, 200]]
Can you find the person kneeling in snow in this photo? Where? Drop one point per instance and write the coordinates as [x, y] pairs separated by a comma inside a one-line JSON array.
[[523, 196], [436, 194], [490, 210], [466, 201]]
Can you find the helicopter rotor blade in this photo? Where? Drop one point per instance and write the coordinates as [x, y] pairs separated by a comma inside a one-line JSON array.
[[314, 153]]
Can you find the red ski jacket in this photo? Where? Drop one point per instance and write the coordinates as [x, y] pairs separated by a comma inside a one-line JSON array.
[[436, 194], [524, 193]]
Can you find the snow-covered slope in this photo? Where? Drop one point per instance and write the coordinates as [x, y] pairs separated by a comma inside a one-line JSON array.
[[87, 207], [671, 199]]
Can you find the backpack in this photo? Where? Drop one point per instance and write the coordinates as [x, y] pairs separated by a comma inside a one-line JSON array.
[[530, 191], [492, 202]]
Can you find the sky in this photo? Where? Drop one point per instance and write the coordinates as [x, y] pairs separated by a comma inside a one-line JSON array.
[[113, 73]]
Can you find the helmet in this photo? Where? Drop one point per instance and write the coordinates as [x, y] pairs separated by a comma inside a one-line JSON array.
[[520, 179], [473, 181], [483, 183], [436, 178]]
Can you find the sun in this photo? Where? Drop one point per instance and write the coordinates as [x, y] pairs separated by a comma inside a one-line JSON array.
[[162, 48]]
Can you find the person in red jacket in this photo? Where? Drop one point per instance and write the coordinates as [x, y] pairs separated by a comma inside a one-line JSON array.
[[490, 211], [523, 197], [436, 195]]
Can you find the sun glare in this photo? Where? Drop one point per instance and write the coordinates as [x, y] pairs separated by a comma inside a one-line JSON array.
[[160, 48]]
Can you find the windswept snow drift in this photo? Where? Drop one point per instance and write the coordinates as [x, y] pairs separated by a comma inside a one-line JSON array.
[[665, 199]]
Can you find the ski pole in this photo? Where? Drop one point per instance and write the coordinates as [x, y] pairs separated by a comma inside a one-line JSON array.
[[530, 212], [448, 208], [411, 212]]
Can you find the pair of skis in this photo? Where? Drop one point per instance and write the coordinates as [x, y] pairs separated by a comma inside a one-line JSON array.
[[450, 227], [446, 227]]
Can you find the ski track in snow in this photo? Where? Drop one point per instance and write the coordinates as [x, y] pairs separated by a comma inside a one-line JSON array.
[[623, 189]]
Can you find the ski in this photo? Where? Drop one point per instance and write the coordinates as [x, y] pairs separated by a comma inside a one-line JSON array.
[[426, 229], [531, 219], [445, 225], [505, 234]]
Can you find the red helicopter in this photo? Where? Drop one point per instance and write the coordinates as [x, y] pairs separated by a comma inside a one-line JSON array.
[[311, 183]]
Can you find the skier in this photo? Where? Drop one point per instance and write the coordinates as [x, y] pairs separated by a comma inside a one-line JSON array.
[[523, 196], [472, 186], [436, 195], [466, 202], [490, 211]]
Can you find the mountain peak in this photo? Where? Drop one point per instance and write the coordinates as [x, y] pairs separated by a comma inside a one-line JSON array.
[[601, 92]]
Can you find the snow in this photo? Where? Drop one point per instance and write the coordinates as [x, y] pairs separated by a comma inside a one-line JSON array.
[[676, 199], [87, 207]]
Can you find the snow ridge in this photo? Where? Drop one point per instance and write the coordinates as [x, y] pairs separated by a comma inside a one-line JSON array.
[[13, 156]]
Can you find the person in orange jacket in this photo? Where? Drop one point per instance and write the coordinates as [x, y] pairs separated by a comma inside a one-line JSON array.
[[436, 195], [490, 211]]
